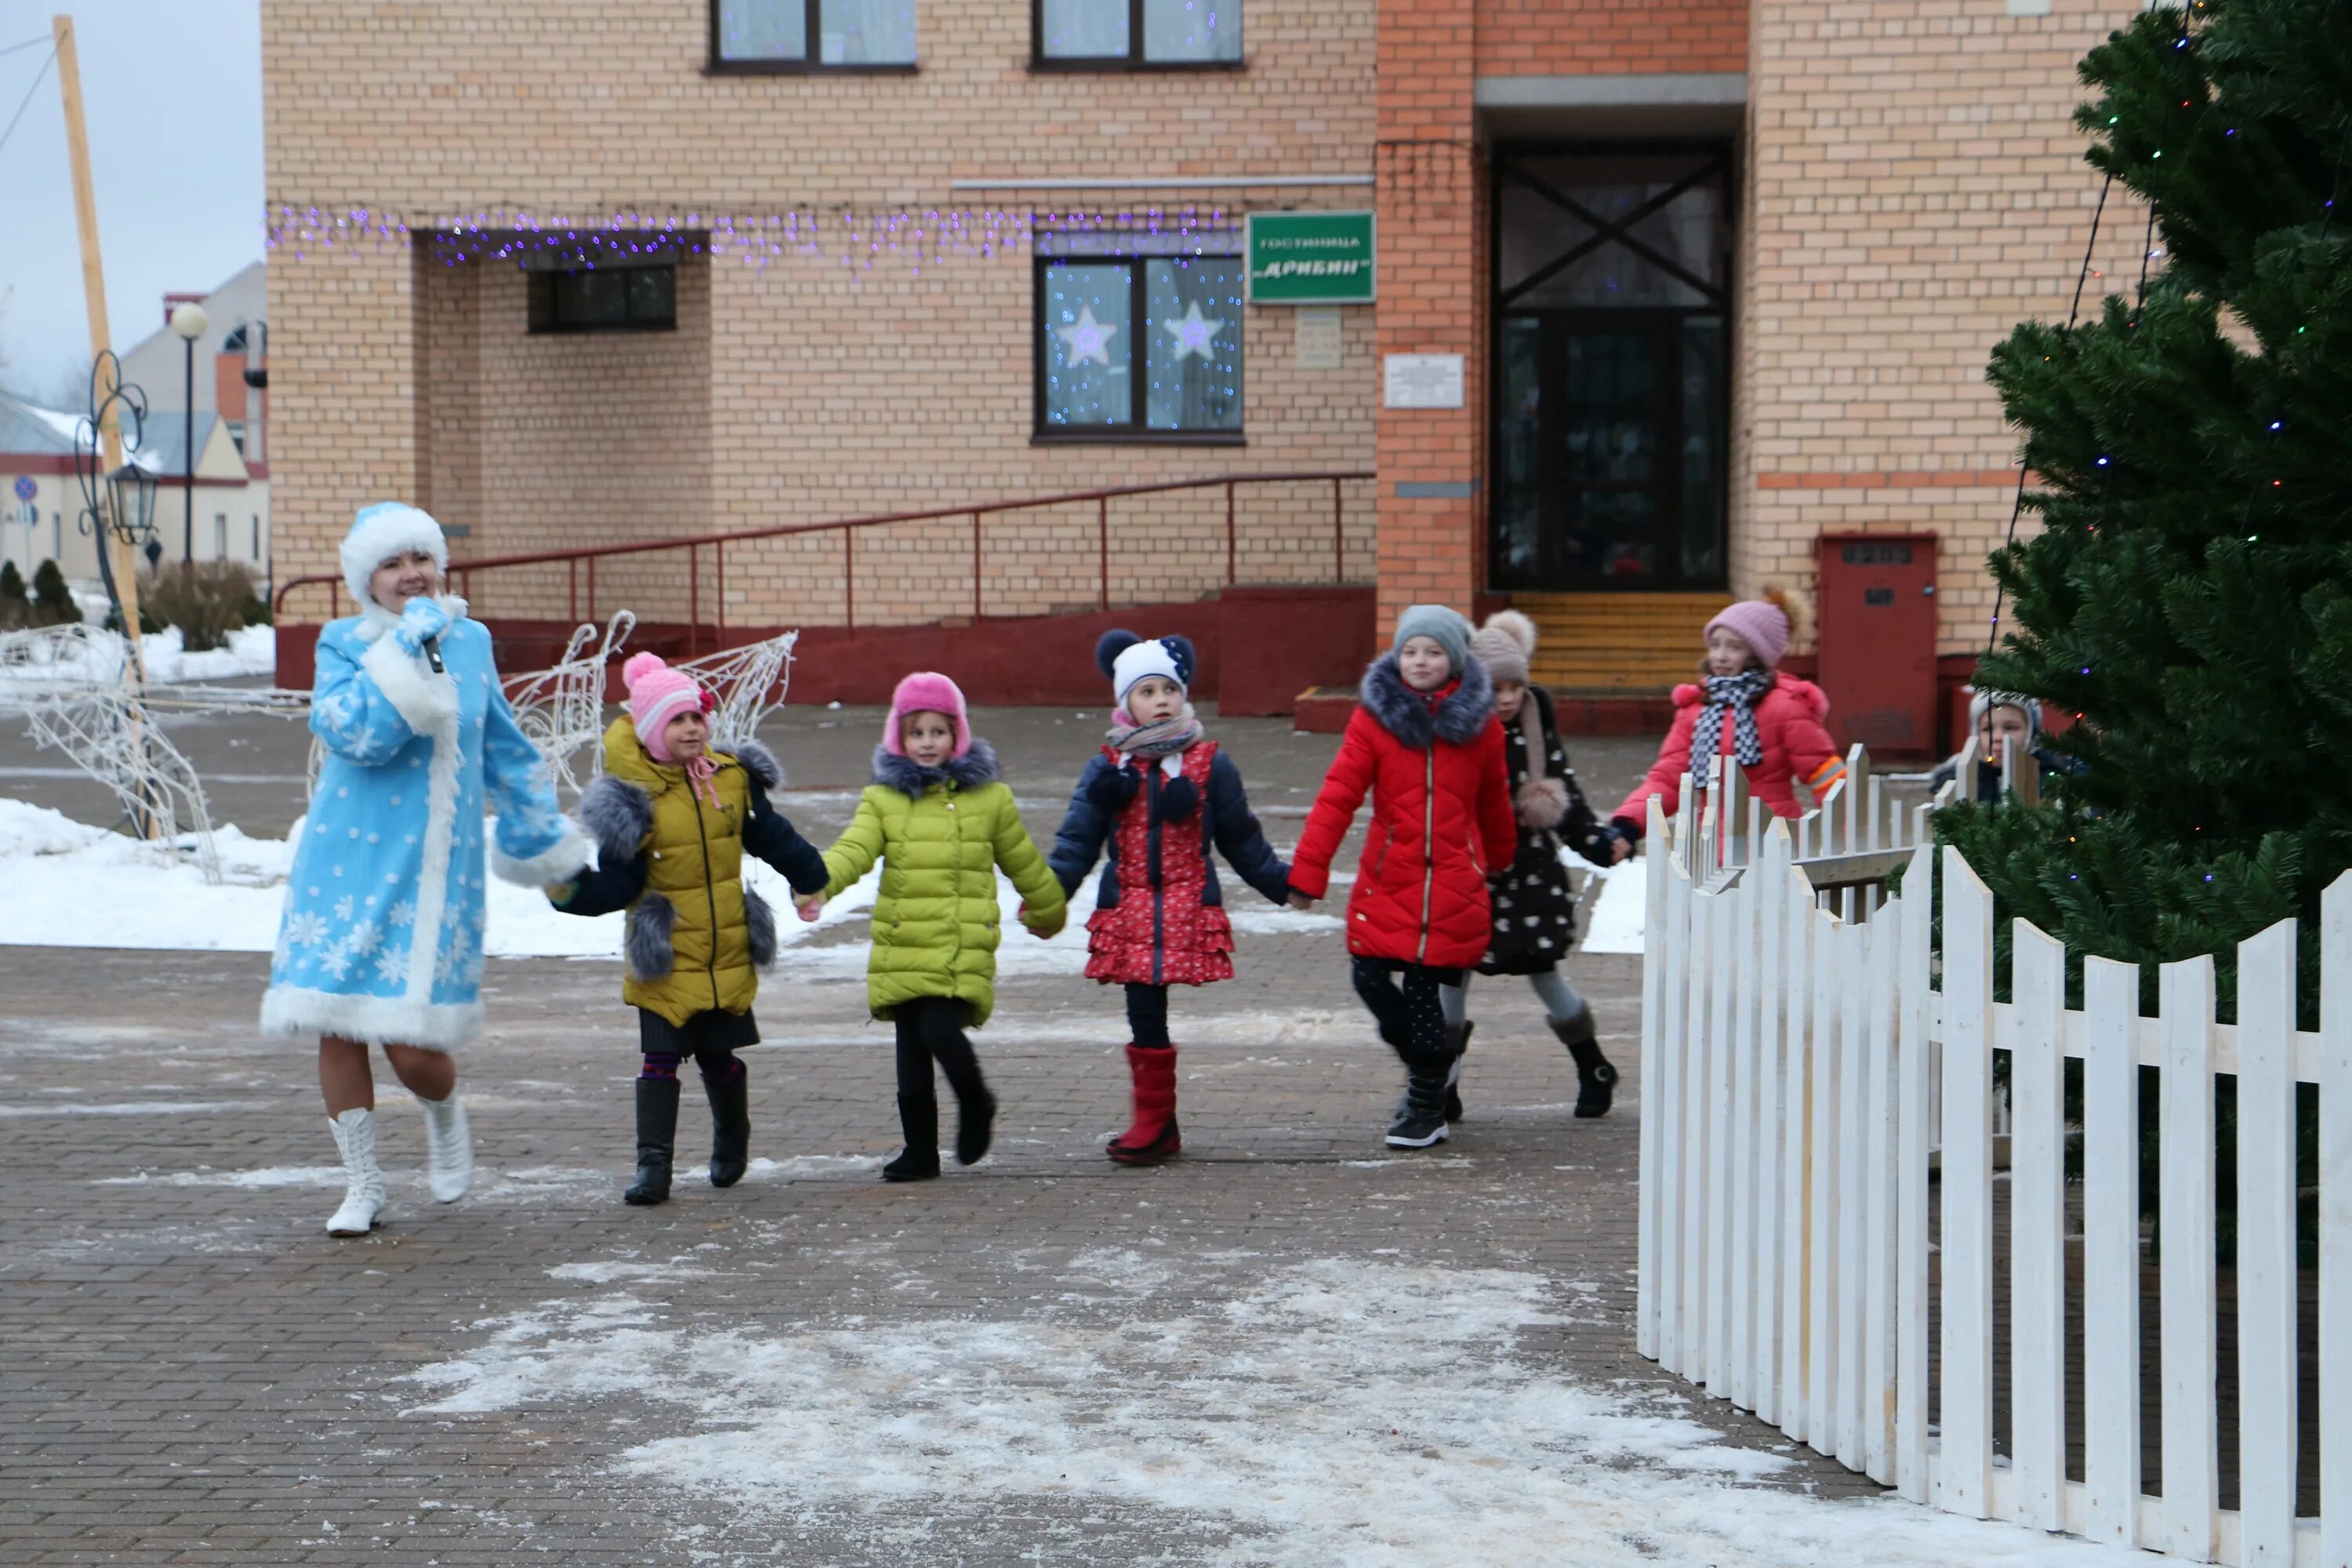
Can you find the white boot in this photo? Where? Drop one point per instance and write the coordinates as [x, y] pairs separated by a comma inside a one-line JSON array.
[[354, 1132], [448, 1148]]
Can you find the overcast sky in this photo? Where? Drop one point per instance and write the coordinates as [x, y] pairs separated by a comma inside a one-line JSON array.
[[172, 93]]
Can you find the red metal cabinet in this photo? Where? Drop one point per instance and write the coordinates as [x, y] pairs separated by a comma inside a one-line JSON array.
[[1877, 654]]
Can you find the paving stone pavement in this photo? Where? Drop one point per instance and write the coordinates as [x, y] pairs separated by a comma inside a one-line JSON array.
[[195, 1373]]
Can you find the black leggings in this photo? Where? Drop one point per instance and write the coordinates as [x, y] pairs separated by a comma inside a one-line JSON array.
[[1147, 1013], [930, 1029], [718, 1063], [1412, 1017]]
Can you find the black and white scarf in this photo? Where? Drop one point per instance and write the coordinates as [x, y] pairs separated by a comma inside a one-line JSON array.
[[1740, 693]]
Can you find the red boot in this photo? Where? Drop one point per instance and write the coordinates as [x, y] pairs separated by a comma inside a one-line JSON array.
[[1153, 1137]]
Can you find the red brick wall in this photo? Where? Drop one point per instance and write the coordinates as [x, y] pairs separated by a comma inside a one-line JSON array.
[[1599, 37]]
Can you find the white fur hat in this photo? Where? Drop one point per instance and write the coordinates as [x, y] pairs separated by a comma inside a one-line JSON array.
[[383, 531]]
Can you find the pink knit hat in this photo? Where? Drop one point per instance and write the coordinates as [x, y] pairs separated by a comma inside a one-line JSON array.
[[926, 691], [1762, 625], [658, 694]]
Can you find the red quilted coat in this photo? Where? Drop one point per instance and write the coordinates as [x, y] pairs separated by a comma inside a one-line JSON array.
[[1788, 724], [1441, 819]]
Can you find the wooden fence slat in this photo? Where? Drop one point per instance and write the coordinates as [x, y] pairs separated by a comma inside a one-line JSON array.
[[1821, 1181], [1965, 1468], [1879, 1197], [1739, 1277], [1851, 1178], [1913, 1140], [1772, 1164], [2111, 1264], [2037, 1195], [1672, 1061], [2185, 1214], [2335, 1225], [1724, 995], [1796, 1150], [2266, 1274], [1659, 955], [1695, 1079]]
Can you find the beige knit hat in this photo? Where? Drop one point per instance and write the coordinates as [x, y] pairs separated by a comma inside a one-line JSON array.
[[1504, 645]]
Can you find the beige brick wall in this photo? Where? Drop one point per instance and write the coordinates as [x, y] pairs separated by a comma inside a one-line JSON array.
[[801, 390], [1915, 188]]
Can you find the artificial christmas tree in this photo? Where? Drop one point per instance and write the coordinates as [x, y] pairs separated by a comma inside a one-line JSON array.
[[2190, 593]]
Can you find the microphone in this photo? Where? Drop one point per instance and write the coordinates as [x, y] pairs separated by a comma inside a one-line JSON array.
[[432, 655]]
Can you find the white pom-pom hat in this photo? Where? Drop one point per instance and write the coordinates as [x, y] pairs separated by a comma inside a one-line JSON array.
[[383, 531]]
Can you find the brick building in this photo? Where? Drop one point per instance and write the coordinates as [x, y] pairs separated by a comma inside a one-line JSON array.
[[1720, 276]]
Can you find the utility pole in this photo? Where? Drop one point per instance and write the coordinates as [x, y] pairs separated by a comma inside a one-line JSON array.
[[93, 287]]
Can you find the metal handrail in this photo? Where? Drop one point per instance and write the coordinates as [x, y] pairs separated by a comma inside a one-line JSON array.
[[462, 570]]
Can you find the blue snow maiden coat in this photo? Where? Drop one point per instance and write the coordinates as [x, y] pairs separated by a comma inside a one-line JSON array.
[[382, 938]]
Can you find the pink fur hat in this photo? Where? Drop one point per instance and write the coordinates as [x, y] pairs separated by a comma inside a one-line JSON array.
[[658, 694], [926, 691]]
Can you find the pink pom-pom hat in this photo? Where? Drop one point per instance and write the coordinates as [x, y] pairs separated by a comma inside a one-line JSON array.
[[658, 694], [927, 691]]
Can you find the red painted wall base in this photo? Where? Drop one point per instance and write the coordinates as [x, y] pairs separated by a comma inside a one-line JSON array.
[[1258, 649]]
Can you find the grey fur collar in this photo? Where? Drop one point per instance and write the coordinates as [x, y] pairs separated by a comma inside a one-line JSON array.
[[1403, 713], [617, 815], [909, 778], [756, 761]]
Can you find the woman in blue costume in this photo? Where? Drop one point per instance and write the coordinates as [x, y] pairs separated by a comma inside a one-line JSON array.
[[380, 943]]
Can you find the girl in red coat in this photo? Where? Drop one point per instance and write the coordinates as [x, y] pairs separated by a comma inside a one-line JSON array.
[[1769, 723], [1425, 744], [1157, 797]]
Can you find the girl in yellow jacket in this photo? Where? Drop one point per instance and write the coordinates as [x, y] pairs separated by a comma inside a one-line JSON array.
[[673, 820], [941, 823]]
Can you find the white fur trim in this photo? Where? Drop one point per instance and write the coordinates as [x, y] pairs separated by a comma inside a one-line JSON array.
[[382, 531], [1150, 657], [428, 702], [295, 1010], [566, 859], [433, 876]]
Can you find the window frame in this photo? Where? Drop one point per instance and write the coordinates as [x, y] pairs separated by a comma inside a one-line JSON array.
[[1138, 431], [540, 310], [1133, 60], [717, 64]]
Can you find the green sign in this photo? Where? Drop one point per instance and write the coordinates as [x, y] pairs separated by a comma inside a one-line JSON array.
[[1310, 258]]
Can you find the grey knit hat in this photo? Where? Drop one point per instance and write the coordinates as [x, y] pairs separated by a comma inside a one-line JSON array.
[[1504, 645], [1448, 629]]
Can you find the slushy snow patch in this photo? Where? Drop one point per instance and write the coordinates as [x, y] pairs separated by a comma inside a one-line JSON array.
[[1378, 1414], [251, 650]]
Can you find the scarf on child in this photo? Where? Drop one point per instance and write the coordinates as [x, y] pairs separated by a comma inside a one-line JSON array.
[[1166, 738], [1740, 693]]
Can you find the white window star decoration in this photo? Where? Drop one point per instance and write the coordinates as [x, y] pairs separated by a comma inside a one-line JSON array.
[[1194, 335], [1086, 338]]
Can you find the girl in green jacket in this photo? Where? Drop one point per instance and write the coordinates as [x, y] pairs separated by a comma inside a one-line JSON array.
[[941, 821]]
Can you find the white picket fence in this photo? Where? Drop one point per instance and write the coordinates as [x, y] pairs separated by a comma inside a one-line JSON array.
[[1815, 1075]]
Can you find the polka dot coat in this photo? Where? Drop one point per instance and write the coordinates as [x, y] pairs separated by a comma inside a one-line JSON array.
[[1535, 909]]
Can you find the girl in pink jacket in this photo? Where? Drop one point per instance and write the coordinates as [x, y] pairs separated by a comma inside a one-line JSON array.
[[1747, 710]]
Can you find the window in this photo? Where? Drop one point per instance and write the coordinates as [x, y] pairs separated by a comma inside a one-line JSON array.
[[605, 299], [220, 536], [1098, 35], [1138, 345], [753, 35], [256, 536]]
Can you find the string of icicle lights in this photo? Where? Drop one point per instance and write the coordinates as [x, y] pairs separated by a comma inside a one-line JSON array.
[[857, 239]]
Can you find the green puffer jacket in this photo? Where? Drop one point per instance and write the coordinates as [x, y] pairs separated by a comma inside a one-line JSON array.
[[940, 834]]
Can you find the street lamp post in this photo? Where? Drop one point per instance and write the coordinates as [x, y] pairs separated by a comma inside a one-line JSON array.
[[188, 325], [120, 505]]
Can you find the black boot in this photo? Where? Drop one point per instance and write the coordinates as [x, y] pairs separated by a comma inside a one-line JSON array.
[[1596, 1078], [919, 1160], [1423, 1125], [975, 1124], [656, 1140], [730, 1124]]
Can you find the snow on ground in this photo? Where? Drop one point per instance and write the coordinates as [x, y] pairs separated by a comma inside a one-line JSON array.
[[251, 650], [73, 885], [1352, 1411]]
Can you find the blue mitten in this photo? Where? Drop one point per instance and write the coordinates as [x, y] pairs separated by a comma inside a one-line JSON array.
[[420, 619]]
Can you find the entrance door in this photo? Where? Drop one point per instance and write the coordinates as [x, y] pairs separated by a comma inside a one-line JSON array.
[[1612, 376]]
